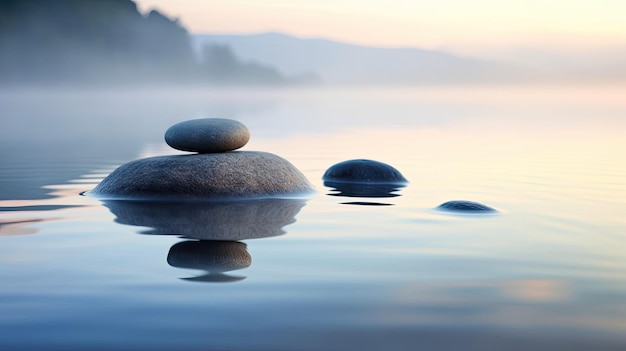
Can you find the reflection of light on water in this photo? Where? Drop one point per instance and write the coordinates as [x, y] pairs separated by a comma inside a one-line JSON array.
[[20, 227], [574, 171], [94, 177], [506, 303], [65, 202], [152, 150], [539, 290], [535, 290]]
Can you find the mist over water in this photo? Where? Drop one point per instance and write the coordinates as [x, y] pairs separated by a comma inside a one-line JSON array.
[[65, 127], [334, 270], [349, 267]]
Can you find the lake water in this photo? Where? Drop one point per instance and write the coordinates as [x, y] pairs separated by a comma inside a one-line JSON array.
[[547, 272]]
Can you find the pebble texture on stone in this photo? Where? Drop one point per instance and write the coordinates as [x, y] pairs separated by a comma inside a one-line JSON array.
[[207, 135], [239, 174], [363, 171], [465, 206]]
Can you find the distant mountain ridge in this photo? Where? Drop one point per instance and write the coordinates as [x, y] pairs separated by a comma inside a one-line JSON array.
[[337, 62], [53, 42], [110, 41]]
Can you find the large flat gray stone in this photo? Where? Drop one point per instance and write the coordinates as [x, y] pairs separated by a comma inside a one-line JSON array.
[[229, 175]]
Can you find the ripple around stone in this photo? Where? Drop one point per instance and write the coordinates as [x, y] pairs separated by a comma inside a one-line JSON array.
[[207, 135], [463, 206], [363, 171], [231, 175]]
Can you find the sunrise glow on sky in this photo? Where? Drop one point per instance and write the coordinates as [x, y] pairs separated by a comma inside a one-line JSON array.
[[457, 25]]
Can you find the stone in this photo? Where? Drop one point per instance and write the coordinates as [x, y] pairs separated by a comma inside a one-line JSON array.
[[229, 175], [207, 135], [363, 171], [465, 206]]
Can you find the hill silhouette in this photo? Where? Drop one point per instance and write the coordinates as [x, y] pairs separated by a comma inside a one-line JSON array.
[[335, 62], [109, 41]]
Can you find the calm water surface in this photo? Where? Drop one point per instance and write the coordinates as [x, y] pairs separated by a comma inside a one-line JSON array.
[[332, 271]]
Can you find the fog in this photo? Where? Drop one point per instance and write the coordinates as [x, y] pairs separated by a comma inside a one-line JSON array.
[[109, 43], [96, 80], [64, 133]]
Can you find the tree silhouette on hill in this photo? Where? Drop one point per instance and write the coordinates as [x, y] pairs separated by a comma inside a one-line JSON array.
[[106, 41]]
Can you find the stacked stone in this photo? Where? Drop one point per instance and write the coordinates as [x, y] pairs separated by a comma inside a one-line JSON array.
[[214, 171], [207, 135]]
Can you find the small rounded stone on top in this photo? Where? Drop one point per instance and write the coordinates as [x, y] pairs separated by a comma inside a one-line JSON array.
[[207, 135], [363, 171], [465, 206]]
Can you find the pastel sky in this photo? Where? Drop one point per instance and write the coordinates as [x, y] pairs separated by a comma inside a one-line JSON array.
[[455, 25]]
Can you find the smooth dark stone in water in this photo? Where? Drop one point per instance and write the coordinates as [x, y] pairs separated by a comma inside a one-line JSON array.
[[363, 171], [465, 206], [231, 175], [207, 135]]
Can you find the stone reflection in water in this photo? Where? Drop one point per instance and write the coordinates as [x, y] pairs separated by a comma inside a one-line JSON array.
[[213, 256], [214, 220], [216, 226], [364, 190]]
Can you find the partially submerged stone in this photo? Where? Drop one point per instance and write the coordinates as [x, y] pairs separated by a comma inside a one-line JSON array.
[[363, 171], [207, 135], [231, 175], [464, 206]]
